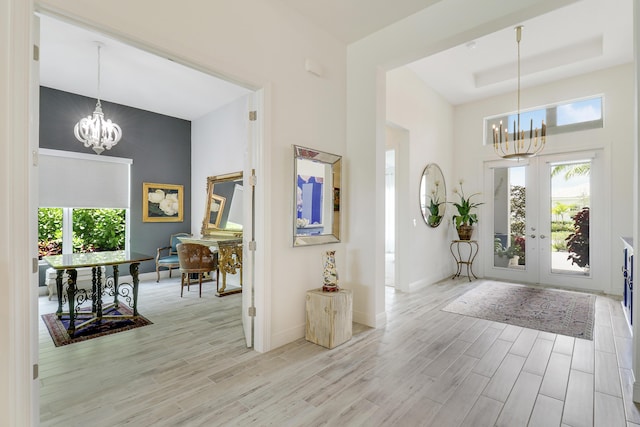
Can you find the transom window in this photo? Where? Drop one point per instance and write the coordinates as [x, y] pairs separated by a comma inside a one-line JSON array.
[[560, 118]]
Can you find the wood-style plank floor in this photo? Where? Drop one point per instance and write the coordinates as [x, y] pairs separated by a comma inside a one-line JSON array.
[[427, 367]]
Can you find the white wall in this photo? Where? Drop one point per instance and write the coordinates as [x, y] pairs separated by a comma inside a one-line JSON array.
[[218, 145], [616, 138], [428, 118], [18, 305]]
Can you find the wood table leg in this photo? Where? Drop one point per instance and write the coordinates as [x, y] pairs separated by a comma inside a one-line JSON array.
[[133, 269], [71, 295], [59, 274]]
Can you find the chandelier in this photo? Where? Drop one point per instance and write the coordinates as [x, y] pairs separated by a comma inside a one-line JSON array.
[[94, 131], [520, 147]]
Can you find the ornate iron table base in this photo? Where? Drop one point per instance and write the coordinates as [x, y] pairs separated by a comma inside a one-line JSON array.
[[75, 297]]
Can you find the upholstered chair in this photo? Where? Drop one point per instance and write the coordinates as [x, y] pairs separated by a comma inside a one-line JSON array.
[[195, 259], [167, 257]]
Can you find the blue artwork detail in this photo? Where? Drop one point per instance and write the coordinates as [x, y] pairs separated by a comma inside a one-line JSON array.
[[309, 204]]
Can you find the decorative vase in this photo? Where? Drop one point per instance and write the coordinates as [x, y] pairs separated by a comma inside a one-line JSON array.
[[330, 274], [464, 232]]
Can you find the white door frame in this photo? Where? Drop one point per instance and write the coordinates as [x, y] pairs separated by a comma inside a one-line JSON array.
[[538, 184]]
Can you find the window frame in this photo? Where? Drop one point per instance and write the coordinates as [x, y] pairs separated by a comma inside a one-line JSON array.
[[551, 114]]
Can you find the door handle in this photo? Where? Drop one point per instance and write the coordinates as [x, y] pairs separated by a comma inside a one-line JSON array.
[[533, 236], [542, 236]]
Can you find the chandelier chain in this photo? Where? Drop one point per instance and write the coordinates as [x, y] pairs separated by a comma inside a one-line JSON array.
[[95, 131]]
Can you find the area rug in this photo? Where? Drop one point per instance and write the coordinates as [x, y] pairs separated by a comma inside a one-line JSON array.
[[549, 310], [58, 327]]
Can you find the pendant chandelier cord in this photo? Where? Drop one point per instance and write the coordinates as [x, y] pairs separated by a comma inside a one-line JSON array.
[[518, 38], [521, 147], [98, 97]]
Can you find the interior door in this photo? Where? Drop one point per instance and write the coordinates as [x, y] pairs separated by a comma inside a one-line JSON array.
[[541, 230], [249, 228], [34, 111]]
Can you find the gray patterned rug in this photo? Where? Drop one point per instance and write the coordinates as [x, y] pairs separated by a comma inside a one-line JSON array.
[[549, 310]]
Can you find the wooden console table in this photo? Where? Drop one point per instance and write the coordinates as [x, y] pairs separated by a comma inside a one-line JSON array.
[[329, 317], [96, 260], [461, 260]]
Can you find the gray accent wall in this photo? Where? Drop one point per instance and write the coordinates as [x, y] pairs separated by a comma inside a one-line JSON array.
[[159, 145]]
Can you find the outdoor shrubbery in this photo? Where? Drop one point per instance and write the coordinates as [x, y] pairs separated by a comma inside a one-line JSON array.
[[93, 230], [578, 241]]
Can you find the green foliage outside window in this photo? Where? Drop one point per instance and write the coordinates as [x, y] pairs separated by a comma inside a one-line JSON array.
[[578, 241], [49, 231], [518, 210], [94, 230]]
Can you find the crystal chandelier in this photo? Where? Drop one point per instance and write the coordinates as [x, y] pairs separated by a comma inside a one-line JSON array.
[[520, 147], [94, 131]]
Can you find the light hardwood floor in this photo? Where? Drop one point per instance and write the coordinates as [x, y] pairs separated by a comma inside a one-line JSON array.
[[427, 367]]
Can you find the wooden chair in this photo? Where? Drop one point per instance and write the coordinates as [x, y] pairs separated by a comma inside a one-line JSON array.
[[167, 257], [195, 259]]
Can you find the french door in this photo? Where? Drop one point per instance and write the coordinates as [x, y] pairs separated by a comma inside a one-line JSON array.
[[545, 220]]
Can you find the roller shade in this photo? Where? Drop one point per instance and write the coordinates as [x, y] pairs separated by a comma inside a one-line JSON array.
[[76, 180]]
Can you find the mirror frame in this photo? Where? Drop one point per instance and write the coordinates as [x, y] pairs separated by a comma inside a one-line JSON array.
[[430, 171], [212, 229], [335, 163]]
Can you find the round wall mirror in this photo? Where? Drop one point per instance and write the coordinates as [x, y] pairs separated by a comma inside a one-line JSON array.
[[433, 195]]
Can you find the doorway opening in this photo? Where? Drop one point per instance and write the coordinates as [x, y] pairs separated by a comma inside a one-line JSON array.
[[251, 160], [390, 217]]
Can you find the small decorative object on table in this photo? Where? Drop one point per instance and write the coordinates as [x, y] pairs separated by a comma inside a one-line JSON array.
[[464, 220], [330, 275]]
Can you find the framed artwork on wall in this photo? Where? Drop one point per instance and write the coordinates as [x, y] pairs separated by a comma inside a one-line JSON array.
[[162, 202]]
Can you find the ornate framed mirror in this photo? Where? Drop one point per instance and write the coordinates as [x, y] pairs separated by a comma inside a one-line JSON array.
[[316, 195], [433, 195], [223, 208]]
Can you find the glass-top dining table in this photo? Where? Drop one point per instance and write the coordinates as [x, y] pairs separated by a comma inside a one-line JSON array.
[[110, 285]]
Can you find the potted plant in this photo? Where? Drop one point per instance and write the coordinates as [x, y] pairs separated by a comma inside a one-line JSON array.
[[504, 257], [434, 210], [465, 218]]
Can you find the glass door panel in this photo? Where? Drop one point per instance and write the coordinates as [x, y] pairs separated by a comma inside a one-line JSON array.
[[510, 212], [570, 201], [509, 217]]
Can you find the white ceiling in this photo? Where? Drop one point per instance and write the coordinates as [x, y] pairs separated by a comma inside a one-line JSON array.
[[585, 36], [582, 37], [128, 76]]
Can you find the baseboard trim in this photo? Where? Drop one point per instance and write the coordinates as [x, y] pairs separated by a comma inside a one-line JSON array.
[[287, 337]]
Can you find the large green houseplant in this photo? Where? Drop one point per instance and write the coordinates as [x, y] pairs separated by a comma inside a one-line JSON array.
[[465, 218]]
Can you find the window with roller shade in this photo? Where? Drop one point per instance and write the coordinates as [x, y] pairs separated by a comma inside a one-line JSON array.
[[83, 202]]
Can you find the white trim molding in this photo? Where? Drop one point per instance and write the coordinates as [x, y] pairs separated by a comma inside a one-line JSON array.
[[17, 394]]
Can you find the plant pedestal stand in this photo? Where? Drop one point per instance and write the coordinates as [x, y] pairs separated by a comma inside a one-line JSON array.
[[464, 257]]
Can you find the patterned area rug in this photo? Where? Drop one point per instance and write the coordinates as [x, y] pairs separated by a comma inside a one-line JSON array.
[[58, 327], [549, 310]]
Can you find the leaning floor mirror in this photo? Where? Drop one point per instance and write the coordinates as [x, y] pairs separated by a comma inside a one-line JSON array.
[[316, 215]]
